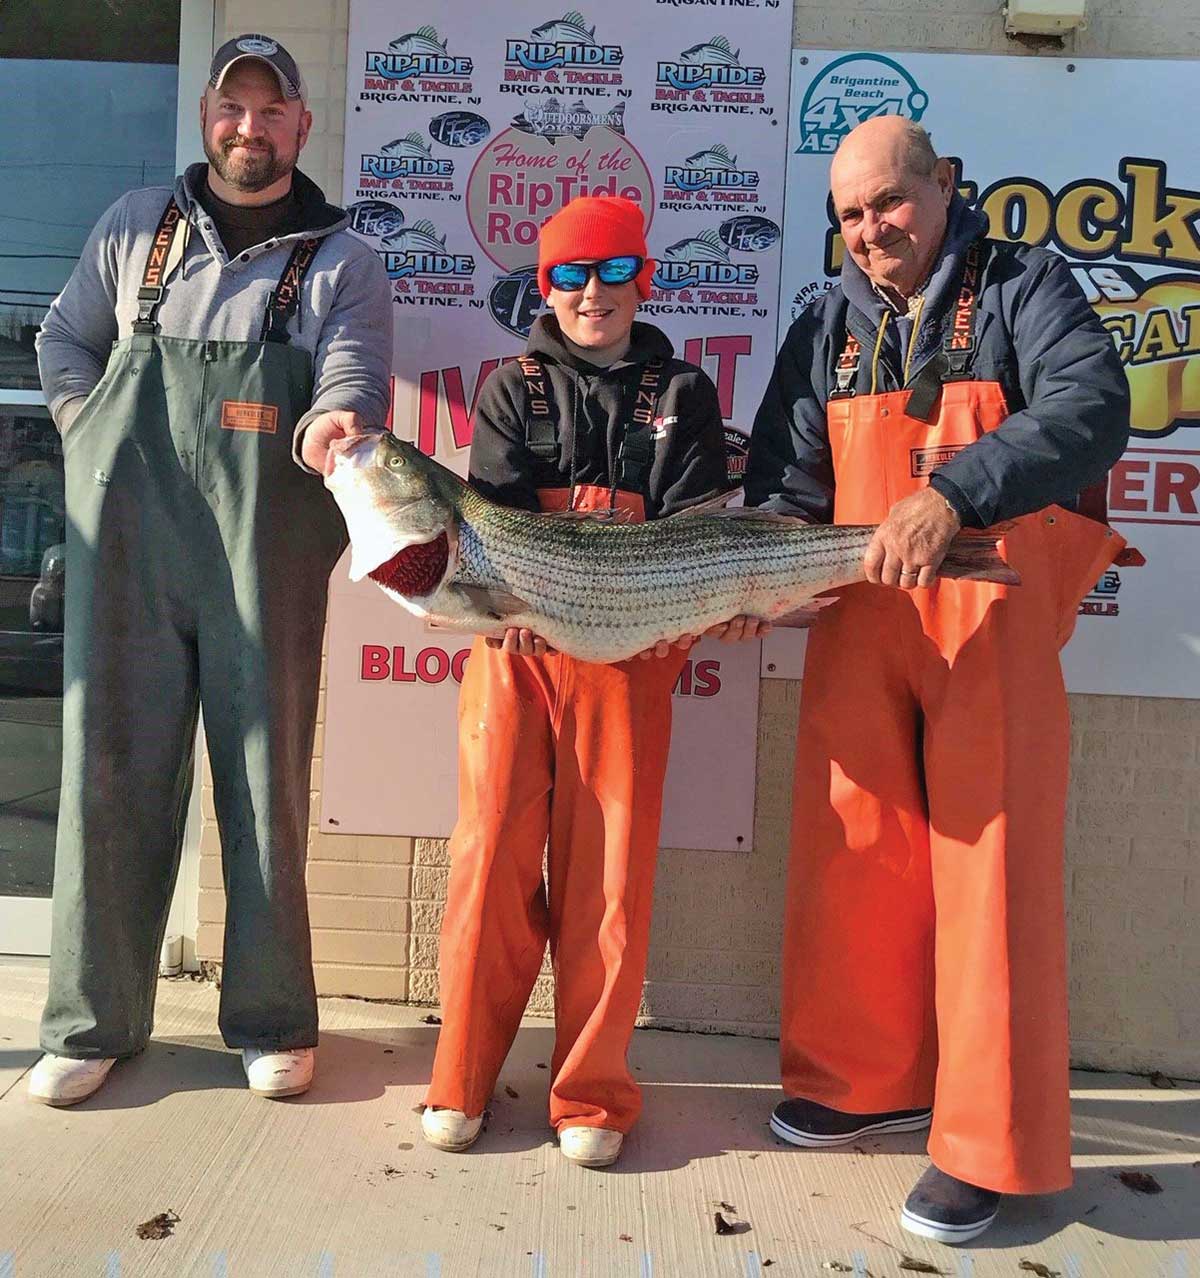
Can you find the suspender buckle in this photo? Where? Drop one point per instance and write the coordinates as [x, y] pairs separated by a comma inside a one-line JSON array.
[[149, 300]]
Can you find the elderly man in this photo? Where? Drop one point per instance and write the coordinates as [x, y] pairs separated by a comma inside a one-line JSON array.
[[950, 380], [210, 339]]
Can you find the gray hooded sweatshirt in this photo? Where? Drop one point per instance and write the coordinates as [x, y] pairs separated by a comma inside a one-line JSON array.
[[344, 319]]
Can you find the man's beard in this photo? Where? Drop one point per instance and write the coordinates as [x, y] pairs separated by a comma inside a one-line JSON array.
[[248, 169]]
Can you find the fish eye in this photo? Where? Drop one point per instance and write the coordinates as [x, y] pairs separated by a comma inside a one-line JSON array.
[[396, 462]]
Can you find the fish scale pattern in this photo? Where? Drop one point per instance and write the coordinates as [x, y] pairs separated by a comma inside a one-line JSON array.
[[605, 591]]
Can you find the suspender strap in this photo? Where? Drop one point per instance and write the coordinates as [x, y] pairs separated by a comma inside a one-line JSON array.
[[953, 362], [166, 252], [637, 445], [285, 299], [541, 433]]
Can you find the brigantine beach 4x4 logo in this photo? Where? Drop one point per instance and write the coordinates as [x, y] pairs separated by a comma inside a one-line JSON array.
[[407, 166], [562, 52], [853, 89], [416, 67], [709, 77], [422, 270], [709, 179]]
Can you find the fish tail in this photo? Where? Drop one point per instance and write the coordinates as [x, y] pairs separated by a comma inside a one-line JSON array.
[[975, 556]]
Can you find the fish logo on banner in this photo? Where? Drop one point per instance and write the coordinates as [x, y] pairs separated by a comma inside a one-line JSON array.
[[708, 179], [703, 261], [552, 120], [853, 89], [459, 128], [423, 271], [406, 157], [375, 218], [416, 67], [749, 234], [563, 51], [711, 65], [515, 300]]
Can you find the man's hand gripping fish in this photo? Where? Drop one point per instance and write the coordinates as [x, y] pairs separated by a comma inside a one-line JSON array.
[[596, 589]]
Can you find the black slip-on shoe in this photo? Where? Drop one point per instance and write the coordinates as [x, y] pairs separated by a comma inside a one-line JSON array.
[[948, 1210], [804, 1122]]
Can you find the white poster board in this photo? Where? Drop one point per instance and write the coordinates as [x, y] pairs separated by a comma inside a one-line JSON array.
[[466, 127], [1051, 150]]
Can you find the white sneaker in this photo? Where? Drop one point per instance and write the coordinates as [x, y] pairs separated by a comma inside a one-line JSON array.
[[450, 1129], [590, 1146], [277, 1074], [60, 1080]]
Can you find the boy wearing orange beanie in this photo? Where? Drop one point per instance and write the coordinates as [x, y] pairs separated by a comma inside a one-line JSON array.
[[559, 755]]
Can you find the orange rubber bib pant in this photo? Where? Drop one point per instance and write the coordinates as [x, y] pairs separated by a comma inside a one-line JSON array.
[[571, 755], [924, 954]]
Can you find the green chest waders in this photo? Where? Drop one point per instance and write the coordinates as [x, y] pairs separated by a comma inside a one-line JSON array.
[[198, 558]]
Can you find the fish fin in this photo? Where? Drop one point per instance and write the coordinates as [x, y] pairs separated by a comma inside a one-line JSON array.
[[803, 617], [429, 33], [713, 506], [416, 138], [710, 237], [973, 556], [496, 604], [573, 18]]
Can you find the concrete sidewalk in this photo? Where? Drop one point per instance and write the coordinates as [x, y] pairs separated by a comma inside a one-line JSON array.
[[338, 1184]]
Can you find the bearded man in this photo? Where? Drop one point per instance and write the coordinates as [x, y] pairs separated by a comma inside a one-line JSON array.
[[209, 345]]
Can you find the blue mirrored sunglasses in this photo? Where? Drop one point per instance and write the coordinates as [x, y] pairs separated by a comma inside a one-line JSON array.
[[570, 277]]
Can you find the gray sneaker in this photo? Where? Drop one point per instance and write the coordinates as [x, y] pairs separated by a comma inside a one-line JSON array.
[[948, 1210]]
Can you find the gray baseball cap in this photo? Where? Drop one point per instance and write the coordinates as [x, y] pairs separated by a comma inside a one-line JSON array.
[[260, 48]]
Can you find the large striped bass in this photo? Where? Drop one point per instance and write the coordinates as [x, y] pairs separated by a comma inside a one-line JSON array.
[[596, 589]]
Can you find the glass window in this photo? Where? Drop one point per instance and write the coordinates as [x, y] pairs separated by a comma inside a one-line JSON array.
[[88, 100], [32, 574]]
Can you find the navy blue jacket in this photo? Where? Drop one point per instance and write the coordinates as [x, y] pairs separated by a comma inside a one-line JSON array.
[[1037, 336]]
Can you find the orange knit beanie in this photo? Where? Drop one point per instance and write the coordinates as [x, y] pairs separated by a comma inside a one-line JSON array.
[[594, 227]]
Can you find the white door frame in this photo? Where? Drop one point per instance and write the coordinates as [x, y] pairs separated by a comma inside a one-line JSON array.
[[25, 921]]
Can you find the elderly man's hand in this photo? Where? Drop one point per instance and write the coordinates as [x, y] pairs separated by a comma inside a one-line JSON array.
[[521, 643], [323, 430], [910, 544]]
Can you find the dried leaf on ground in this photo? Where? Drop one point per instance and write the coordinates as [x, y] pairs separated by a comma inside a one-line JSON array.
[[625, 1237], [838, 1267], [722, 1225], [915, 1266], [510, 1093], [158, 1227], [1036, 1267], [389, 1171], [1158, 1079], [724, 1206], [431, 1019], [1139, 1182]]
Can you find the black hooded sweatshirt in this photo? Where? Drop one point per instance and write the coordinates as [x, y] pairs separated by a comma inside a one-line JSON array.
[[593, 408]]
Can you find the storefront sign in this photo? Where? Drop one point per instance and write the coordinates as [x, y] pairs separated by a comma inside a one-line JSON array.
[[1121, 203], [466, 128]]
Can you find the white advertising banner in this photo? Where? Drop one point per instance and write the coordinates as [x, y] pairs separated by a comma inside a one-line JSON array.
[[467, 127], [1050, 150]]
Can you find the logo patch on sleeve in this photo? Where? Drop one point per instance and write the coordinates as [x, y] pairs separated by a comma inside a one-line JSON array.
[[236, 415]]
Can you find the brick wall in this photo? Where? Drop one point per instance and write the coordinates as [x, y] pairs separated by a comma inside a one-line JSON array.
[[1133, 848]]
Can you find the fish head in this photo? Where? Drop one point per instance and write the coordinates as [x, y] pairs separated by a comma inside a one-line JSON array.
[[391, 496]]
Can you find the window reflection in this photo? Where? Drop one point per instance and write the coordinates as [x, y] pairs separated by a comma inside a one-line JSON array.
[[32, 577]]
